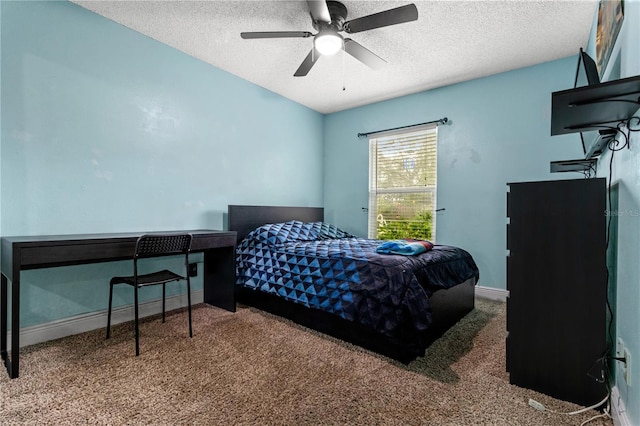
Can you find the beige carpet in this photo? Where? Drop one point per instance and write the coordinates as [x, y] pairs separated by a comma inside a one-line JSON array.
[[254, 368]]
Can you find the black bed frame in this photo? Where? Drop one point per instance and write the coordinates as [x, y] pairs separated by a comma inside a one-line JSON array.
[[448, 306]]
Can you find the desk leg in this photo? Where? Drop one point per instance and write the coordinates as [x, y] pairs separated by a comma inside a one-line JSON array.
[[220, 277], [12, 364]]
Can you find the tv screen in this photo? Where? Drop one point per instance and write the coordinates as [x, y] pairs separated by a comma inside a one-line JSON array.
[[586, 72], [593, 142]]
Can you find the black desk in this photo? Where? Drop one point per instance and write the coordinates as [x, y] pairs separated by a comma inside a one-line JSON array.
[[44, 251]]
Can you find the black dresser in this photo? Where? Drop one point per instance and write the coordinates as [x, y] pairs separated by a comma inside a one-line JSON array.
[[556, 278]]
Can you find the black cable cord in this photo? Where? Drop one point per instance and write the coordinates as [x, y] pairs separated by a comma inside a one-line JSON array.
[[608, 242], [602, 375], [632, 125]]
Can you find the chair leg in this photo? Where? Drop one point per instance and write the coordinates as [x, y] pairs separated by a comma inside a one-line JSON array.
[[163, 300], [109, 312], [189, 305], [136, 320]]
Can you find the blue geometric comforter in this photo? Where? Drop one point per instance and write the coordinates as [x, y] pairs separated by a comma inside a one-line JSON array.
[[320, 266]]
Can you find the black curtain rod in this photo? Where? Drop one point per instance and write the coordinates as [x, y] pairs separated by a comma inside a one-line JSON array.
[[441, 121]]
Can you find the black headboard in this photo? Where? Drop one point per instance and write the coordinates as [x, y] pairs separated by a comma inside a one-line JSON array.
[[244, 219]]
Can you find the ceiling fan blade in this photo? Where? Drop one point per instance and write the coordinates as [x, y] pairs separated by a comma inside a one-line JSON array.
[[319, 10], [363, 54], [399, 15], [308, 62], [276, 34]]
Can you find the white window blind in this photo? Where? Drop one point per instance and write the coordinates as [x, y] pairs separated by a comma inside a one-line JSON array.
[[402, 185]]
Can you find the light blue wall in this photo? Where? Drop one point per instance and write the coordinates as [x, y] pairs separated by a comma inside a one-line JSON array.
[[106, 130], [625, 181], [500, 133]]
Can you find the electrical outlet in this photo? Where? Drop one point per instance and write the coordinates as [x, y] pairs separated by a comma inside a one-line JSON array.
[[627, 366], [619, 348]]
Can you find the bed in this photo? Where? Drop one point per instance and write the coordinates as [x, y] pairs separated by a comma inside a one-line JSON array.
[[291, 263]]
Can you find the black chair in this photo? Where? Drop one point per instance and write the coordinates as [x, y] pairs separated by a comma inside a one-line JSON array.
[[155, 245]]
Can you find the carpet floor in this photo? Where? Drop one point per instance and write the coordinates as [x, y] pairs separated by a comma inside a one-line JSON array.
[[250, 367]]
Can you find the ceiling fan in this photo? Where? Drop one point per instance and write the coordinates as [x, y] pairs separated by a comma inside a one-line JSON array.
[[329, 19]]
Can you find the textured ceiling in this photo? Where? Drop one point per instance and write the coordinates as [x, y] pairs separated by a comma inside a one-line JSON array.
[[452, 41]]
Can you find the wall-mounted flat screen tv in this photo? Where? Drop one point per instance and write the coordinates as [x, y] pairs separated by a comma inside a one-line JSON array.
[[593, 142]]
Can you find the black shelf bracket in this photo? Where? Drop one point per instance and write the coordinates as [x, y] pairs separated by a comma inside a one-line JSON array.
[[588, 167]]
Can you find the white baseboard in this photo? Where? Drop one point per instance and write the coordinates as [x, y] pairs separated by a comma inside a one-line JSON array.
[[492, 293], [95, 320], [618, 409]]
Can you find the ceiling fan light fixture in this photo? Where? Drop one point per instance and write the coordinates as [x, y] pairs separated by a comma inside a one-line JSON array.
[[328, 43]]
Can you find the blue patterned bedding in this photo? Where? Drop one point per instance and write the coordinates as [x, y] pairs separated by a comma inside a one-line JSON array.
[[320, 266]]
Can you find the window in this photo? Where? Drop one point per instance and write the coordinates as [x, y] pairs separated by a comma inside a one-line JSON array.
[[402, 185]]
